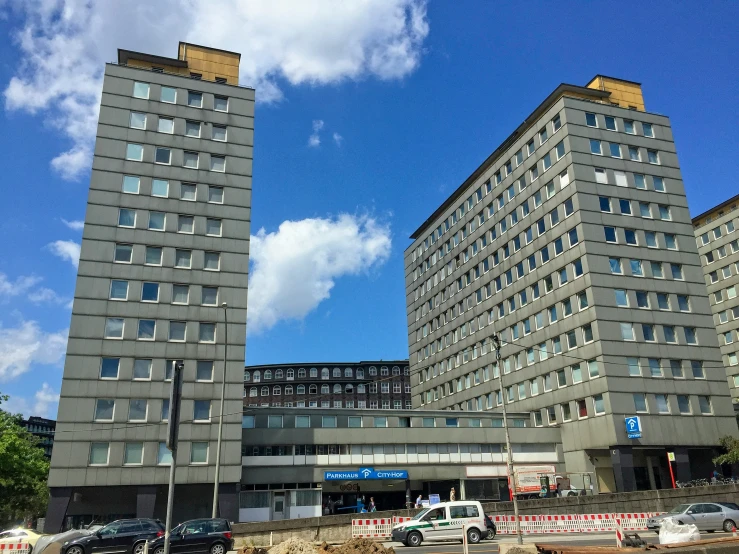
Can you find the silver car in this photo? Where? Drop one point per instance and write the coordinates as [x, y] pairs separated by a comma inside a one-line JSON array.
[[707, 516]]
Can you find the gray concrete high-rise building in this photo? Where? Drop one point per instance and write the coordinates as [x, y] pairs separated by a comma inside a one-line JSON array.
[[573, 241], [165, 244], [718, 246]]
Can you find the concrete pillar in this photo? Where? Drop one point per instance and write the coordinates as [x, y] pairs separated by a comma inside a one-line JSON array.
[[228, 501], [146, 497], [622, 458], [461, 490], [681, 466], [650, 472], [56, 509]]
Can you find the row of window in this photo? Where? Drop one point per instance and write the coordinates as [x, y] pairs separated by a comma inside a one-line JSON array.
[[168, 95], [382, 449], [304, 421], [163, 156], [669, 333], [142, 369], [721, 252], [156, 221], [723, 316], [325, 373], [610, 123], [131, 184], [360, 404], [138, 120], [624, 208], [153, 255], [150, 293], [641, 299], [715, 233], [616, 150], [508, 166], [725, 294], [630, 237], [133, 454], [138, 410], [725, 273], [326, 389], [146, 330]]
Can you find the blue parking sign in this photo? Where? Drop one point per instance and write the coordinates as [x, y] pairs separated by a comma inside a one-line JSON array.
[[633, 427]]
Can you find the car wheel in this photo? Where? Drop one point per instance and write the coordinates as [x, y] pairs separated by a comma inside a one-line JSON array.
[[414, 539], [729, 525], [138, 548], [491, 534], [75, 550], [473, 536], [159, 550], [218, 548]]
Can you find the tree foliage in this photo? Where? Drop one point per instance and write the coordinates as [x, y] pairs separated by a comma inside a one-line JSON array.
[[23, 470], [731, 451]]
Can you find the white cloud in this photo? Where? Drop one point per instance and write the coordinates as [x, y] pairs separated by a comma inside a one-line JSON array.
[[317, 125], [295, 268], [338, 139], [20, 286], [64, 44], [315, 139], [67, 250], [45, 295], [27, 344], [74, 225], [44, 400]]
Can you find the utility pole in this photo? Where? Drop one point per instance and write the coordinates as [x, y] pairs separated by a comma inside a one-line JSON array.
[[173, 429], [220, 418], [496, 345]]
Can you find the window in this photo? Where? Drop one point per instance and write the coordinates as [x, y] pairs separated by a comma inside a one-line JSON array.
[[630, 237], [582, 409], [168, 95], [207, 332], [156, 221], [627, 331], [595, 147], [194, 99], [218, 163], [690, 336], [543, 135], [141, 90], [188, 192], [118, 290], [640, 402], [598, 404], [648, 332], [622, 299], [328, 421], [131, 184], [615, 150], [615, 265], [201, 410], [137, 409], [180, 294], [153, 255], [659, 184], [639, 180], [677, 271], [653, 156], [192, 129], [183, 258], [109, 368], [199, 453], [134, 152], [114, 328], [657, 270], [610, 123], [642, 299], [215, 195], [137, 120], [601, 176], [663, 406], [590, 120], [213, 227], [159, 188], [219, 133], [177, 331], [185, 224], [99, 453], [620, 177], [190, 160], [634, 154], [636, 268], [610, 234], [209, 296], [683, 404], [669, 331], [664, 212], [146, 329], [104, 409], [133, 453], [164, 455], [670, 241], [150, 292], [165, 125], [163, 156], [704, 403], [530, 147], [220, 104], [655, 367]]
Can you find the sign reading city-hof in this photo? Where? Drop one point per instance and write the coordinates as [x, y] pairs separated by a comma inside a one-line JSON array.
[[633, 427], [365, 473]]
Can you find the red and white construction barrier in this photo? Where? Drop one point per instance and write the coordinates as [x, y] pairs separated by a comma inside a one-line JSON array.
[[400, 519], [372, 528], [15, 547], [572, 523]]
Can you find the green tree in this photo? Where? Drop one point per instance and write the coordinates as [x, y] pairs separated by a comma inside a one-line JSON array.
[[23, 470], [731, 448]]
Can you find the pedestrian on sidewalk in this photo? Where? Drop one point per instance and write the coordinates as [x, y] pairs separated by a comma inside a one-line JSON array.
[[452, 495]]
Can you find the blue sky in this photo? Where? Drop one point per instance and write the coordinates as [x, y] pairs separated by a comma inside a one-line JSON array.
[[411, 96]]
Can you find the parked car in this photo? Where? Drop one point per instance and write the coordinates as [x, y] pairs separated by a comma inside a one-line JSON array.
[[442, 522], [492, 530], [123, 536], [19, 535], [197, 535], [707, 516]]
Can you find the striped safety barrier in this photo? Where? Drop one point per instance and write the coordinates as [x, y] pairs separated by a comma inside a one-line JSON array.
[[400, 519], [14, 547], [572, 523], [372, 528]]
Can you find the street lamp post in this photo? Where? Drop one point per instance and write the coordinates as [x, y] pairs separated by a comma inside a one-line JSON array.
[[496, 345], [220, 415]]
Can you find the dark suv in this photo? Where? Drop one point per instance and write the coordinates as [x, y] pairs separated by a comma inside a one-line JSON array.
[[124, 536], [197, 535]]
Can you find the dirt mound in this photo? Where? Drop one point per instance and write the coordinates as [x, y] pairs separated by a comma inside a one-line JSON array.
[[355, 546], [293, 546], [252, 550]]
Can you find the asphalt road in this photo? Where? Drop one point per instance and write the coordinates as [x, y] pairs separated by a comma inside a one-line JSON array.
[[491, 547]]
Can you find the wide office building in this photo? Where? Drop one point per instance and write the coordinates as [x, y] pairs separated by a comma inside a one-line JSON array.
[[165, 244], [375, 385], [718, 246], [574, 243], [297, 462]]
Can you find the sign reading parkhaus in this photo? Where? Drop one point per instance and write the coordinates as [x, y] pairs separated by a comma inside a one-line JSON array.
[[365, 473]]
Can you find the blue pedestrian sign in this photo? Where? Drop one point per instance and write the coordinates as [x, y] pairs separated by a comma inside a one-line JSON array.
[[365, 473], [633, 427]]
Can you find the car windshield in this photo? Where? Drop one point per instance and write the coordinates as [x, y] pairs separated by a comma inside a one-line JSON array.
[[679, 509], [420, 514], [729, 505], [177, 530], [110, 529]]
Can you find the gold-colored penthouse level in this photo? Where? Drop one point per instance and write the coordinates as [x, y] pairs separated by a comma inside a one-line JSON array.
[[193, 60]]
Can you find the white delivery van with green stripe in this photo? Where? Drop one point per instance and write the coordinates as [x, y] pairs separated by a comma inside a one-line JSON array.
[[442, 522]]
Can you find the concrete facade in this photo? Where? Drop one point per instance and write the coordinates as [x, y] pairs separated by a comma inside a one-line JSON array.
[[718, 246], [165, 243], [573, 241], [383, 385]]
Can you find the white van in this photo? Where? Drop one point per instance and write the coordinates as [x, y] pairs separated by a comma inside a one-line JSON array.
[[442, 522]]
